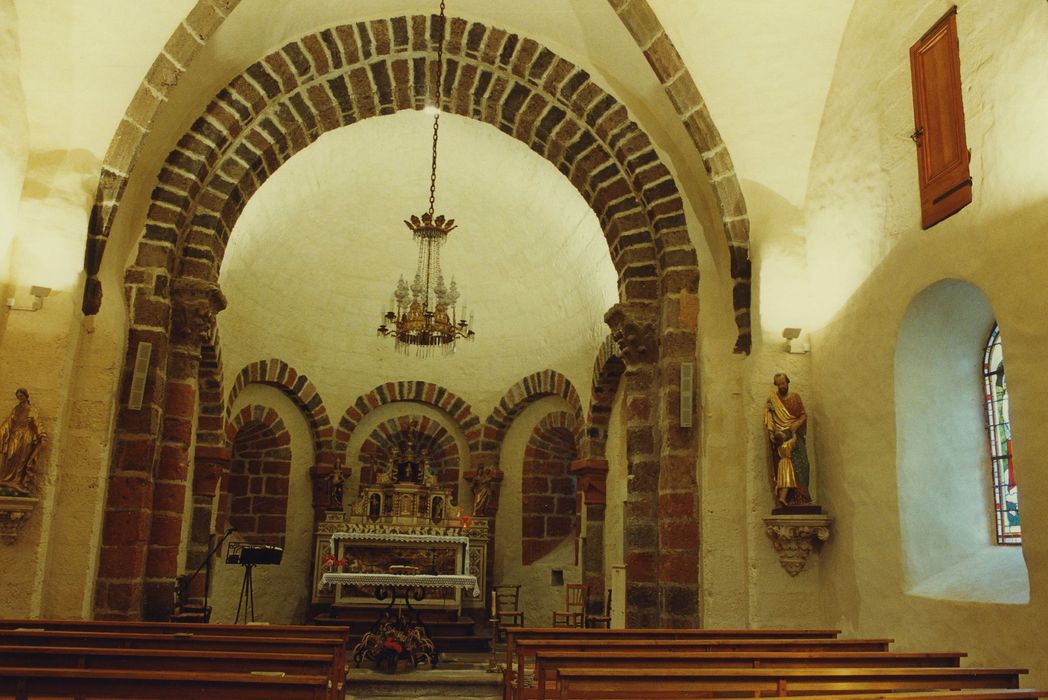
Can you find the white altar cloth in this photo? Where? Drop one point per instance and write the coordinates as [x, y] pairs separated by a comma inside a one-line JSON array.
[[460, 579], [421, 580]]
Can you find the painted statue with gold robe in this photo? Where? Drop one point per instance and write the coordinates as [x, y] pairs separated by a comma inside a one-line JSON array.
[[785, 421], [21, 438]]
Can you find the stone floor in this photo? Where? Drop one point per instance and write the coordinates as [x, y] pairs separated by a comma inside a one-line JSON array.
[[459, 675]]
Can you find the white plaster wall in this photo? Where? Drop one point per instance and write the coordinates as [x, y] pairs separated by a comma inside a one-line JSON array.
[[863, 220], [282, 592], [52, 136], [14, 131], [539, 599]]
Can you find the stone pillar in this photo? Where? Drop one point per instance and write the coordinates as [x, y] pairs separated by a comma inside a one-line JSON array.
[[129, 496], [634, 326], [194, 306], [211, 463], [592, 474], [678, 489]]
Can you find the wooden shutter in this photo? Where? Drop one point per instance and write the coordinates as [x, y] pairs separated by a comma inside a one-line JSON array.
[[938, 111]]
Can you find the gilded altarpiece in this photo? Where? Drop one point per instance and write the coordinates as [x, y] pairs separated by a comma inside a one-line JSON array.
[[402, 527]]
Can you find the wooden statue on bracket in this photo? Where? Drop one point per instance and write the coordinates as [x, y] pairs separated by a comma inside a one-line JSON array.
[[482, 488], [21, 438], [786, 423]]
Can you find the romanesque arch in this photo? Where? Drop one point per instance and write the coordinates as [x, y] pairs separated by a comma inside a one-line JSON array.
[[424, 433], [521, 395], [255, 490], [333, 78], [420, 392], [636, 16], [548, 507], [295, 386], [607, 371]]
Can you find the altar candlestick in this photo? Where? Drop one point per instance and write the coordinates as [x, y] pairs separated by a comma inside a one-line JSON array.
[[494, 603]]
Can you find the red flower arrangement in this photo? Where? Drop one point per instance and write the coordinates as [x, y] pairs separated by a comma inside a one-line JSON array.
[[328, 561]]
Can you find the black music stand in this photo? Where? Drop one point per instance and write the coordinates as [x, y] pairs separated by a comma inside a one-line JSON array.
[[249, 556]]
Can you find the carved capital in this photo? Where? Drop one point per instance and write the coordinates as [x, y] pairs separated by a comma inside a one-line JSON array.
[[194, 305], [635, 327], [14, 513], [592, 473], [795, 537]]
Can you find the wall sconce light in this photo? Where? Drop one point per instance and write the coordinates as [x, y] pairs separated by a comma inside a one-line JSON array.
[[793, 342], [38, 294]]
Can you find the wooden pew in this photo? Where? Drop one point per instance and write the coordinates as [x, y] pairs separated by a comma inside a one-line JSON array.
[[332, 648], [516, 634], [638, 682], [190, 661], [335, 632], [521, 650], [549, 663], [21, 683], [993, 694], [196, 628]]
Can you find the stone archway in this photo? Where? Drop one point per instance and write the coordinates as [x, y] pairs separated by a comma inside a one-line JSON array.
[[333, 78], [419, 392], [297, 387], [636, 15]]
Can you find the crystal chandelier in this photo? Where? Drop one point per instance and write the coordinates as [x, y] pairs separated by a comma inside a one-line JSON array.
[[423, 315]]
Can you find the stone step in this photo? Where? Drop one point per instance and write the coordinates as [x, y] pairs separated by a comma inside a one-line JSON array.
[[457, 676]]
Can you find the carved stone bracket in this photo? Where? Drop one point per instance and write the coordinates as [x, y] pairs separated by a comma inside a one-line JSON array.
[[635, 327], [14, 513], [796, 536]]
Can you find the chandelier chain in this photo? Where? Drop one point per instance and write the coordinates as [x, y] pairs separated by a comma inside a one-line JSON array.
[[424, 314], [436, 117]]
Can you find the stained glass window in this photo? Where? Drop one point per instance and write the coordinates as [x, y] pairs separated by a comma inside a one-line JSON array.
[[1005, 490]]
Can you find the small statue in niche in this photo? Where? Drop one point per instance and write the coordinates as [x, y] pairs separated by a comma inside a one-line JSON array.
[[786, 422], [387, 474], [482, 479], [337, 486], [429, 477], [21, 439]]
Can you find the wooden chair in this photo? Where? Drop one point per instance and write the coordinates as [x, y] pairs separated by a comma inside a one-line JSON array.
[[575, 602], [601, 620], [507, 607]]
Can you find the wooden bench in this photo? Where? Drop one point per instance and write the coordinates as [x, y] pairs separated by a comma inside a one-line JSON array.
[[993, 694], [521, 651], [192, 661], [549, 663], [331, 648], [639, 682], [298, 631], [24, 683], [334, 632]]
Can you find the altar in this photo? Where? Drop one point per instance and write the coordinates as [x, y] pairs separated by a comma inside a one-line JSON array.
[[401, 547], [403, 529], [370, 559]]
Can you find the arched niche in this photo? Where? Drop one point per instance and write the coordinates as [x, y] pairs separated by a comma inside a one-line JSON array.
[[942, 456]]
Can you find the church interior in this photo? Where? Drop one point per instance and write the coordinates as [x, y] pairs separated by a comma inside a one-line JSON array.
[[663, 210]]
